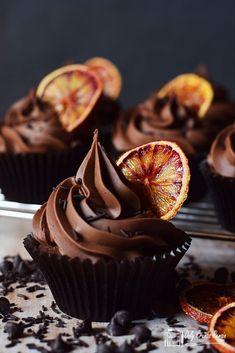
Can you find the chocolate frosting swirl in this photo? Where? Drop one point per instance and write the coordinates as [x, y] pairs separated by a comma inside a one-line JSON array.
[[98, 215], [31, 125], [159, 119], [222, 154]]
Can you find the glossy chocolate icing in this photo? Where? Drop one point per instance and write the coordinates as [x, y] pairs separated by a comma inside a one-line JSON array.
[[160, 119], [97, 215], [222, 154], [31, 125]]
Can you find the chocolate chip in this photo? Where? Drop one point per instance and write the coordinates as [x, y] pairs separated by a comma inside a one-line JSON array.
[[105, 348], [83, 328], [123, 318], [6, 266], [60, 346], [126, 348], [4, 306], [221, 275], [14, 330], [142, 333]]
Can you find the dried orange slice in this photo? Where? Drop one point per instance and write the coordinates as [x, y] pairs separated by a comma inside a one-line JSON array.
[[201, 300], [72, 90], [108, 73], [222, 329], [191, 90], [160, 169]]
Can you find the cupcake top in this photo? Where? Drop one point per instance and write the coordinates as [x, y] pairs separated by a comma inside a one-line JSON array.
[[31, 125], [222, 154], [221, 112], [97, 214], [160, 119]]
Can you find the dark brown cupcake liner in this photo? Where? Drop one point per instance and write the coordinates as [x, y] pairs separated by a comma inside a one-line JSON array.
[[96, 291], [197, 184], [222, 191], [30, 177]]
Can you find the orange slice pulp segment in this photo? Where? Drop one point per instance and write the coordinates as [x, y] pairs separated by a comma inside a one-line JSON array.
[[191, 90], [72, 90], [222, 329], [201, 300], [160, 169], [108, 73]]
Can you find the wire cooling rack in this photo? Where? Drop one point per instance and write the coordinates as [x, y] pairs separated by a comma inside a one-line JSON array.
[[198, 219]]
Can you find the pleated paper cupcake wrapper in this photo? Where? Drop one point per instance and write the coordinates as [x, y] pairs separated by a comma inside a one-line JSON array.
[[197, 185], [222, 191], [30, 177], [96, 291]]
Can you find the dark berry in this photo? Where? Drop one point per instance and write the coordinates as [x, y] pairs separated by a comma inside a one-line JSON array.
[[6, 266]]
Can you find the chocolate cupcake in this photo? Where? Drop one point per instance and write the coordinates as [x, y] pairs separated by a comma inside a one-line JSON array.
[[221, 112], [99, 249], [165, 119], [35, 151], [219, 172]]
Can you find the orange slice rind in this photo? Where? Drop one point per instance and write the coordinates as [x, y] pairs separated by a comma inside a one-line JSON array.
[[72, 90], [191, 90], [160, 169], [221, 330], [201, 300], [108, 73]]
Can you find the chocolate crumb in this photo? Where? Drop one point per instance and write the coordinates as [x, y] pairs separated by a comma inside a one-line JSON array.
[[83, 328], [14, 330], [4, 306]]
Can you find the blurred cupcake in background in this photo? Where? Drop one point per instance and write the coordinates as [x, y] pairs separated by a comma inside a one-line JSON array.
[[219, 172], [45, 134], [174, 113], [221, 112], [35, 151]]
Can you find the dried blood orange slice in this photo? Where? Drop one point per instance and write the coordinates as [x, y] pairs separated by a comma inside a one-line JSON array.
[[72, 90], [191, 90], [201, 300], [108, 73], [222, 329], [160, 169]]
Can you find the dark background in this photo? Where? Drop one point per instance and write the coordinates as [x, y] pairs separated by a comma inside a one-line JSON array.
[[151, 41]]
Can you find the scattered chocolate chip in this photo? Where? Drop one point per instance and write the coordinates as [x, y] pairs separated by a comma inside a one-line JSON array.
[[78, 181], [126, 348], [23, 296], [35, 288], [123, 318], [63, 204], [83, 328], [14, 330], [4, 306], [106, 348], [221, 275], [142, 333], [6, 266], [54, 307], [114, 329], [60, 346], [40, 295]]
